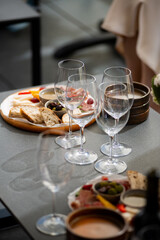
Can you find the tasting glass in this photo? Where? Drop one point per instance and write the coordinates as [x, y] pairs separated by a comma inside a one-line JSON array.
[[114, 104], [67, 68], [123, 75], [82, 112], [55, 173]]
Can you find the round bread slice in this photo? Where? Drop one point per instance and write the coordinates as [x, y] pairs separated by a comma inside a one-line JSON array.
[[32, 114], [65, 117], [49, 117]]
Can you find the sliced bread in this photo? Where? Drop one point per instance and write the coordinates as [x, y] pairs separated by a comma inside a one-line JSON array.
[[65, 117], [137, 180], [15, 112], [49, 117], [32, 114]]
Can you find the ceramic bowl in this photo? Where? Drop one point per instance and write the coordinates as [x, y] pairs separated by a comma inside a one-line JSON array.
[[114, 198], [79, 224], [135, 198], [59, 113], [47, 94]]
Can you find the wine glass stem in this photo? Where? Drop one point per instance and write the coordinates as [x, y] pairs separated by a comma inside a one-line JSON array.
[[70, 126], [81, 131], [54, 203], [111, 145], [115, 139]]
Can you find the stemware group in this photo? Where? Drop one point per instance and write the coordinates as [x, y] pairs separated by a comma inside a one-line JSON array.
[[108, 104]]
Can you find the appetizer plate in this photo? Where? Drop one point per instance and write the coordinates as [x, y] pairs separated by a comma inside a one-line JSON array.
[[72, 196], [24, 124]]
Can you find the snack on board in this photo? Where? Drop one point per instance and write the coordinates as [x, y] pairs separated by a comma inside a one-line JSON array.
[[32, 114], [137, 180], [65, 117], [15, 112], [49, 117]]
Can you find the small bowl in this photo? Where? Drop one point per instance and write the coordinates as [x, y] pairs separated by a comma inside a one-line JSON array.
[[135, 198], [79, 224], [47, 94], [59, 113], [141, 94], [114, 198]]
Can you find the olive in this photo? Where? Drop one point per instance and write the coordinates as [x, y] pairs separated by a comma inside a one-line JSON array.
[[112, 191], [119, 188]]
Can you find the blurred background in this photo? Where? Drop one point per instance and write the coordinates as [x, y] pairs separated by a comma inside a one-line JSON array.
[[62, 21]]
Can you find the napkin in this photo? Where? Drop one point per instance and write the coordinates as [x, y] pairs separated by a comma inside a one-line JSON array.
[[136, 24]]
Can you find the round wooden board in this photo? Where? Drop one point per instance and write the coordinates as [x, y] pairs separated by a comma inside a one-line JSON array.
[[27, 126]]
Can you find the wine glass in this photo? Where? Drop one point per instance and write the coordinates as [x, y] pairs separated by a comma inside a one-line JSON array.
[[122, 75], [82, 112], [66, 68], [55, 173], [114, 105]]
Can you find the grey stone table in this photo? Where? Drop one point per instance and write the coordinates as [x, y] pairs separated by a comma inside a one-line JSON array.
[[20, 187]]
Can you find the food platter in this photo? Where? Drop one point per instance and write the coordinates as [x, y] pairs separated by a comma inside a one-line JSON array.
[[85, 196], [24, 124], [72, 196]]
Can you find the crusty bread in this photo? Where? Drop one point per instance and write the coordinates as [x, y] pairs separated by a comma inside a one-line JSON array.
[[137, 180], [65, 117], [32, 114], [49, 117], [15, 112]]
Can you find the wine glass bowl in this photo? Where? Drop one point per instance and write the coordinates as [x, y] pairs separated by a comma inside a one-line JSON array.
[[55, 173]]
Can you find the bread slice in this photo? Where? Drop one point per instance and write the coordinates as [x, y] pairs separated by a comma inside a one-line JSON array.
[[32, 114], [49, 117], [15, 112], [65, 117], [137, 180]]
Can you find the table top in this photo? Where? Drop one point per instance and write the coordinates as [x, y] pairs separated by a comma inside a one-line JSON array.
[[16, 10], [28, 199]]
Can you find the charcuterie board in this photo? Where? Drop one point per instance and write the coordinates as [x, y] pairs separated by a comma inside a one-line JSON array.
[[24, 124]]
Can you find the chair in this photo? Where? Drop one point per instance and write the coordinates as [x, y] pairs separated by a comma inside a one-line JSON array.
[[103, 37], [17, 11]]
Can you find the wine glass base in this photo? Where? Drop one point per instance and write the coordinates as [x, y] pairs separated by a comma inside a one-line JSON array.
[[118, 150], [52, 224], [70, 141], [80, 157], [106, 166]]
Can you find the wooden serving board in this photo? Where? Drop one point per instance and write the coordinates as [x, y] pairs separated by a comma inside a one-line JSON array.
[[59, 129]]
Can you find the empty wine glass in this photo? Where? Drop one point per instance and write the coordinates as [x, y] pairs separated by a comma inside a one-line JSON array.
[[82, 112], [66, 68], [114, 104], [122, 75], [55, 173]]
